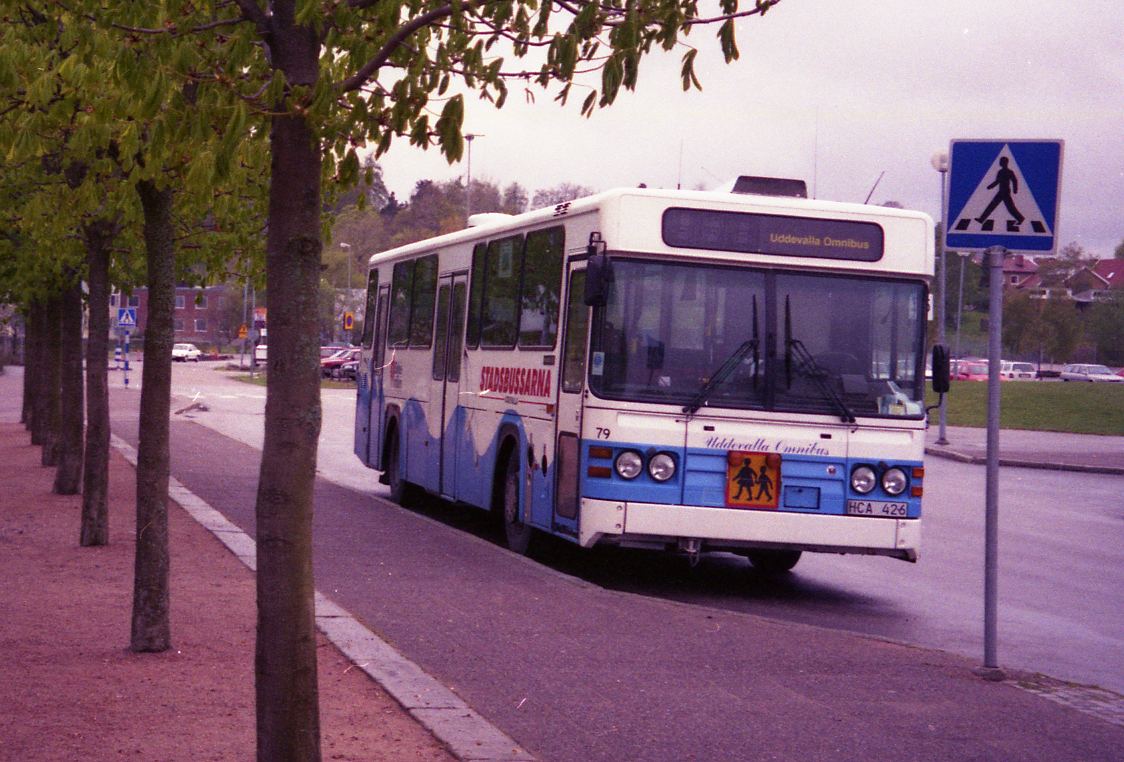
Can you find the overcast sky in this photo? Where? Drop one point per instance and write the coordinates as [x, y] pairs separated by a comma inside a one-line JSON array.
[[837, 93]]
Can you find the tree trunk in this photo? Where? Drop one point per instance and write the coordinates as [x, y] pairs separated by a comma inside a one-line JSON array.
[[288, 715], [50, 357], [68, 475], [151, 629], [30, 368], [95, 487]]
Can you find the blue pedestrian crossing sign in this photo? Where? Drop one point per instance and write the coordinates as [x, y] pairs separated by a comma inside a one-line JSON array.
[[1003, 193], [127, 318]]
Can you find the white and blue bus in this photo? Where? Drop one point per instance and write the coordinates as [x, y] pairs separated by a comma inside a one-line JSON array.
[[691, 371]]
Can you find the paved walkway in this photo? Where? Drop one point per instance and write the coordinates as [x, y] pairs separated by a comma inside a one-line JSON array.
[[1033, 449]]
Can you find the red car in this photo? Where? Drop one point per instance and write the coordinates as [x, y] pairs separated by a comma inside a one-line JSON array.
[[331, 364], [972, 371]]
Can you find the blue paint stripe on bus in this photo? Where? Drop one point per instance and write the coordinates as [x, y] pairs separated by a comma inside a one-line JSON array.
[[700, 480]]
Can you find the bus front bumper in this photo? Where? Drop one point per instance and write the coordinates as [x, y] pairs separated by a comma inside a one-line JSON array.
[[632, 524]]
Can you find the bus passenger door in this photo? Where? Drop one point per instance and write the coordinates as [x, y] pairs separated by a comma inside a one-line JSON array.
[[571, 391], [377, 425], [448, 356]]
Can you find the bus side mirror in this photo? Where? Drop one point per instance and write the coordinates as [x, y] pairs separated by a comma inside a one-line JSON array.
[[940, 369], [598, 278]]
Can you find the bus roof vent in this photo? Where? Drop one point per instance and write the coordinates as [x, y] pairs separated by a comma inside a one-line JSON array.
[[487, 218], [770, 186]]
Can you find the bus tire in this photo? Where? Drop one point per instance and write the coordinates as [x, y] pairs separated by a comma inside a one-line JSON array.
[[773, 561], [401, 491], [517, 535]]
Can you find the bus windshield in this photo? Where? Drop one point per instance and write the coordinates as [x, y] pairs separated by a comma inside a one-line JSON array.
[[727, 337]]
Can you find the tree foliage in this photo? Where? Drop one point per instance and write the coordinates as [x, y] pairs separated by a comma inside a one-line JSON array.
[[559, 194], [181, 96]]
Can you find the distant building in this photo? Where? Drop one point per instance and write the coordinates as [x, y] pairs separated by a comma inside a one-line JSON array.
[[198, 317]]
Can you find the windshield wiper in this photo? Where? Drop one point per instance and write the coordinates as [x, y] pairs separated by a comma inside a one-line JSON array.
[[808, 367], [721, 374]]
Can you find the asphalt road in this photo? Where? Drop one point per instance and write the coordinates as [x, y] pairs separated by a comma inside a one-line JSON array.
[[1061, 555]]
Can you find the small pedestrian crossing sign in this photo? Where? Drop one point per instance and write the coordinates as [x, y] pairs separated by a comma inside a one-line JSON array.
[[127, 318], [1003, 193]]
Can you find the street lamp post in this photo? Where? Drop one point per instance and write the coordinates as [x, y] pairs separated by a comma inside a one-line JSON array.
[[960, 302], [939, 161], [469, 137], [347, 294], [347, 250]]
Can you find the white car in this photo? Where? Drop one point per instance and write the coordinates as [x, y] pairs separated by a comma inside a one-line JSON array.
[[1017, 370], [185, 352], [1085, 372]]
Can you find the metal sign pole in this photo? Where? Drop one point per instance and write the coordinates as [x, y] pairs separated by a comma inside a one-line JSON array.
[[995, 256], [126, 359]]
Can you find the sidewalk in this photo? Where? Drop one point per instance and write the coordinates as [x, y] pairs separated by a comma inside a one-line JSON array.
[[1032, 449], [73, 690]]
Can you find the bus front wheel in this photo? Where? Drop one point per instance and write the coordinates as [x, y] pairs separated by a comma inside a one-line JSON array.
[[773, 561], [517, 534]]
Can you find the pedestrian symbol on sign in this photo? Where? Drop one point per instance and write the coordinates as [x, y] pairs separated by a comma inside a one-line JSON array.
[[999, 186], [127, 317], [1008, 183]]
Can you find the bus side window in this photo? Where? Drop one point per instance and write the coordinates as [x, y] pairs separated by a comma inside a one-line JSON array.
[[422, 299], [402, 281], [542, 287], [369, 312], [442, 333], [456, 331], [379, 319], [504, 270], [577, 327], [476, 295]]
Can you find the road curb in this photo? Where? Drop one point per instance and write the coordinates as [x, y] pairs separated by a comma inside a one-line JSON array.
[[466, 734], [963, 457]]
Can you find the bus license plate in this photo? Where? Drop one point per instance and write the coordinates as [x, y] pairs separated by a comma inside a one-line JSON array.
[[890, 509]]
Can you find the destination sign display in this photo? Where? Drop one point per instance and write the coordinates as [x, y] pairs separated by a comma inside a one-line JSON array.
[[780, 235]]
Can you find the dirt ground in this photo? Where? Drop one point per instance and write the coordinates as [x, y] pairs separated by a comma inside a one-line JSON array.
[[73, 690]]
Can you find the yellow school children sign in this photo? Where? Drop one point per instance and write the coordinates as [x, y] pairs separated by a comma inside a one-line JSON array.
[[753, 479]]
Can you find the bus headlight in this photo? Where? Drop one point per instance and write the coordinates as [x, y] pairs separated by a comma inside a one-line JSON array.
[[863, 479], [629, 464], [661, 467], [894, 481]]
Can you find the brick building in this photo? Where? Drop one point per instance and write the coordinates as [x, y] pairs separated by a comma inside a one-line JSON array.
[[201, 315]]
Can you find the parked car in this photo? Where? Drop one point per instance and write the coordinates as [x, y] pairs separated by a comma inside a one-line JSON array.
[[1018, 371], [971, 371], [1088, 372], [330, 349], [348, 371], [329, 365], [185, 352]]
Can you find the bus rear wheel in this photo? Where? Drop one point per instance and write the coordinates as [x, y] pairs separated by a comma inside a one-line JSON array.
[[517, 534], [773, 561], [401, 491]]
